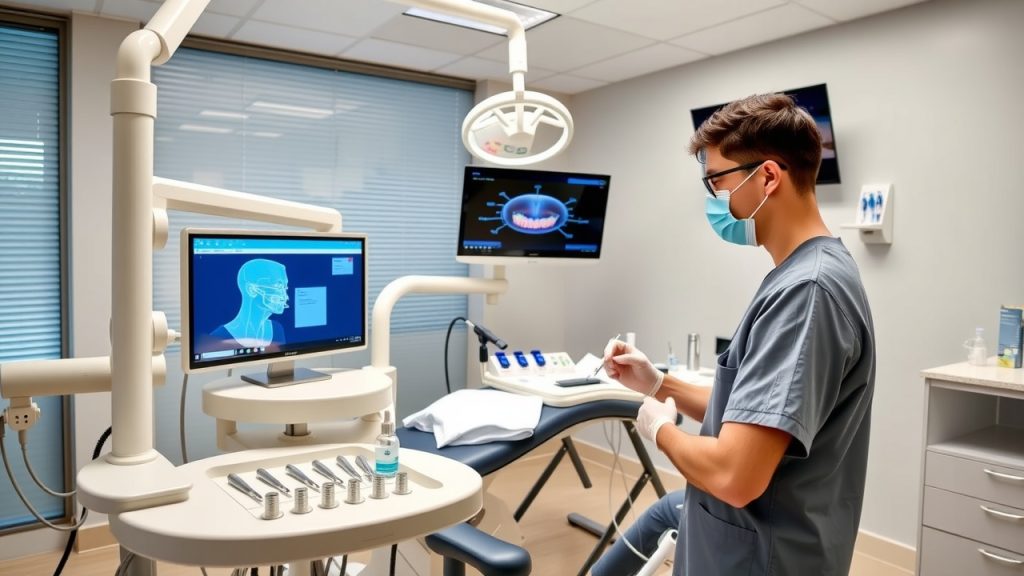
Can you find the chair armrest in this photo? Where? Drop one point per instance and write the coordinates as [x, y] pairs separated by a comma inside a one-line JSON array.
[[489, 555]]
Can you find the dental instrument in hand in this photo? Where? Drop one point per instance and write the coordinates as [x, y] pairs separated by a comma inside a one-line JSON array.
[[601, 364], [299, 475], [268, 479], [236, 482]]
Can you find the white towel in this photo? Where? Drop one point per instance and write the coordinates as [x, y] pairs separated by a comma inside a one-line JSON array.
[[478, 417]]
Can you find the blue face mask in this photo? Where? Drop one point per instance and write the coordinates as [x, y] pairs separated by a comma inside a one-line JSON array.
[[724, 223]]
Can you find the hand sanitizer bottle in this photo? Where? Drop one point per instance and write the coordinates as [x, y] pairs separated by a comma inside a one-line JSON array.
[[386, 452], [977, 353]]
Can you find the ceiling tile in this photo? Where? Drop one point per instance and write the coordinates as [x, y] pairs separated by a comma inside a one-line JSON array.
[[396, 54], [232, 7], [845, 10], [357, 18], [131, 9], [759, 28], [476, 69], [481, 69], [267, 34], [639, 62], [556, 6], [664, 20], [566, 84], [566, 43], [216, 25], [435, 35]]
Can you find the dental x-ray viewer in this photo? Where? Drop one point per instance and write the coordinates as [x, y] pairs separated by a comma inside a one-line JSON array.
[[775, 480]]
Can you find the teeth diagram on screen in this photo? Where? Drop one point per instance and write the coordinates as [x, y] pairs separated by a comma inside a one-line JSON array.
[[533, 213]]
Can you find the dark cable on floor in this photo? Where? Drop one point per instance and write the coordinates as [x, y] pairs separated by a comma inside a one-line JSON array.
[[394, 558], [71, 537]]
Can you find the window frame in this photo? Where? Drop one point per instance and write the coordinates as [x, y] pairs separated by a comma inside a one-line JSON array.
[[60, 25]]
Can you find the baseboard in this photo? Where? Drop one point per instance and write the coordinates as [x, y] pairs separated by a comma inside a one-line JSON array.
[[884, 550], [871, 547], [93, 537]]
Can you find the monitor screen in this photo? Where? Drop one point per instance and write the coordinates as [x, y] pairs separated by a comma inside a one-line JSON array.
[[252, 297], [531, 215], [814, 99]]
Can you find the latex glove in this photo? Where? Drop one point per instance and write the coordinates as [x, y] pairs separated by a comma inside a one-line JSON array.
[[653, 415], [625, 363]]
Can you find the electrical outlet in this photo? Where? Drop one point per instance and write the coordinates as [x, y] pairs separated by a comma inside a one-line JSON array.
[[22, 417]]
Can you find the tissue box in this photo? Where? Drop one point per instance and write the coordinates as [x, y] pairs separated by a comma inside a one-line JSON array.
[[1011, 336]]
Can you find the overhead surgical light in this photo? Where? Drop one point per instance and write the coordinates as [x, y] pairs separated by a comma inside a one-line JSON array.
[[513, 128]]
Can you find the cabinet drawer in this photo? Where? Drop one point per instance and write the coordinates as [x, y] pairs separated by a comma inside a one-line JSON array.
[[982, 521], [998, 484], [947, 555]]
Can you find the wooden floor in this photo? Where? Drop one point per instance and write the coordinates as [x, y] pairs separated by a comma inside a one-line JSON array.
[[557, 548]]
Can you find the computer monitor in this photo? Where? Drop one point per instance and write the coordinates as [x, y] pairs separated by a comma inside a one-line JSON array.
[[814, 99], [528, 216], [259, 297]]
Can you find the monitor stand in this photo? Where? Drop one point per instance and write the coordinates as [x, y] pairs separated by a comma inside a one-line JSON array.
[[284, 374]]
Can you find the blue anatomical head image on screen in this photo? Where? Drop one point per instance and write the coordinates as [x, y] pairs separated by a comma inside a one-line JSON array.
[[263, 285]]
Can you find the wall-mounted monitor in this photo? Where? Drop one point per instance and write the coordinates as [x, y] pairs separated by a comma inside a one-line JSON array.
[[259, 297], [814, 99], [531, 216]]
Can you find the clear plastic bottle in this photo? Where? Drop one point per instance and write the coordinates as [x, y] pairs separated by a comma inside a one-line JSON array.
[[386, 452], [977, 353]]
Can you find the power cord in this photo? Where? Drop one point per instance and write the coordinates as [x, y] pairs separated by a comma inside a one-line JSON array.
[[181, 420], [17, 487], [22, 438], [447, 337], [71, 537], [616, 444]]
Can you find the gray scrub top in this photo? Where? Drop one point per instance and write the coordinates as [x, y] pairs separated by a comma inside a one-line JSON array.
[[802, 361]]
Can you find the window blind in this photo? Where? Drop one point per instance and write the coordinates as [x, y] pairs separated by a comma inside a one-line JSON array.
[[30, 253]]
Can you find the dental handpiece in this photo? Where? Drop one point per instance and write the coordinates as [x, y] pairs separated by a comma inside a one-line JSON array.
[[345, 465], [299, 475], [365, 465], [236, 482], [326, 472], [268, 479]]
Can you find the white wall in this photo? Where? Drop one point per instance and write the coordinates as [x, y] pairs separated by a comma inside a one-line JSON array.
[[927, 98]]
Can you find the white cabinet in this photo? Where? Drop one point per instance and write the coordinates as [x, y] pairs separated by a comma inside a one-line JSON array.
[[972, 501]]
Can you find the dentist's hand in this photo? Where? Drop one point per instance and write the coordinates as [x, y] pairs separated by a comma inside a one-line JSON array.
[[631, 368], [653, 415]]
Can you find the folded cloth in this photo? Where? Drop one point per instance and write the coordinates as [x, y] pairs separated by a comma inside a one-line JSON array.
[[478, 417]]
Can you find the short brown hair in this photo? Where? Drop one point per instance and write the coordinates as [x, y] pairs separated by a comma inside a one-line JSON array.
[[765, 127]]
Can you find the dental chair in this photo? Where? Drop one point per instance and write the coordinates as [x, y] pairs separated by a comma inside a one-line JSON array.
[[468, 544]]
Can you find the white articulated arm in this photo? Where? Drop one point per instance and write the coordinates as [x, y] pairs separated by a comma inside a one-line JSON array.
[[172, 22], [380, 351], [199, 199]]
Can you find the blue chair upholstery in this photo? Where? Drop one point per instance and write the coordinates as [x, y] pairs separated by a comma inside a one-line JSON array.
[[463, 544]]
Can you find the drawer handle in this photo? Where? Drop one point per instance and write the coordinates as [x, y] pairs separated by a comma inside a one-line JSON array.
[[1002, 476], [1003, 515], [998, 558]]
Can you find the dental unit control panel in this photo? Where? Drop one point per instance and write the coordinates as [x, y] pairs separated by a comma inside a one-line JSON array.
[[532, 362]]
